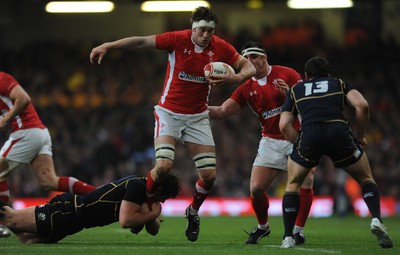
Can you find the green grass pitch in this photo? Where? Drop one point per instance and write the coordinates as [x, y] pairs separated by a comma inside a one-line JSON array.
[[218, 235]]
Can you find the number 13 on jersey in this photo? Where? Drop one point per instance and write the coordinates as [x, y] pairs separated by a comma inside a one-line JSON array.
[[315, 87]]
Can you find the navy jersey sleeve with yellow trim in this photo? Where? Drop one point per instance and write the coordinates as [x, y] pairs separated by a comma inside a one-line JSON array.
[[101, 206]]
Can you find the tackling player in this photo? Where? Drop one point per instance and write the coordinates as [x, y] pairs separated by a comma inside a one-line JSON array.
[[123, 200]]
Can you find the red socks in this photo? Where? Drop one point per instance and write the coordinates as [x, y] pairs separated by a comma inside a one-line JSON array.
[[200, 195], [4, 192], [73, 185], [306, 198], [260, 207]]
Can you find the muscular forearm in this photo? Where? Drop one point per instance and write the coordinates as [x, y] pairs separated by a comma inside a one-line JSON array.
[[134, 42], [246, 72], [362, 116], [215, 113], [229, 108]]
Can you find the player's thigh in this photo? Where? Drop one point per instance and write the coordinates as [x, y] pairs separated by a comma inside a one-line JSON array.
[[197, 130], [261, 178], [296, 175], [360, 170], [43, 167]]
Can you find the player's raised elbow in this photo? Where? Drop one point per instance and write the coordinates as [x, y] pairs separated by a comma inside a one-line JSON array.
[[357, 100]]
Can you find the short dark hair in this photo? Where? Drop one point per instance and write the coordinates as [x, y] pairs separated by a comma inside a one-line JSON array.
[[170, 185], [253, 44], [203, 13], [317, 67]]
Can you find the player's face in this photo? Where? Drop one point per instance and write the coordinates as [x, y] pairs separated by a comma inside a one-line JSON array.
[[259, 62], [201, 36]]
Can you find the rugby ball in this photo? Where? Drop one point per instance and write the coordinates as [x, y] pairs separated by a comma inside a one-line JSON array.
[[216, 68]]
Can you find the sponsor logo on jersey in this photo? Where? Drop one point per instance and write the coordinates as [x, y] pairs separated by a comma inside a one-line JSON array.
[[41, 216], [188, 77], [271, 113]]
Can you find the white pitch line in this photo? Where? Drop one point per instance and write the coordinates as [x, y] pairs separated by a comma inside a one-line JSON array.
[[308, 249]]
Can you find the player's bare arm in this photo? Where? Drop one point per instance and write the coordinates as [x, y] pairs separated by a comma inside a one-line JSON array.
[[229, 108], [246, 71], [135, 42], [361, 106], [286, 126], [132, 214], [21, 101]]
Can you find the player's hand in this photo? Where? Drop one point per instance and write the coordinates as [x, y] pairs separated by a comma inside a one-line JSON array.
[[97, 54], [222, 79], [281, 85], [363, 141], [136, 229], [156, 208]]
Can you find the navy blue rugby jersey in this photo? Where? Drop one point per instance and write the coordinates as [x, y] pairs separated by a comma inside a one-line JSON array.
[[318, 100], [101, 206]]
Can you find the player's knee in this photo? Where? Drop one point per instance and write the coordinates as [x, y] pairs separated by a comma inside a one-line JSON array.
[[163, 167], [307, 184], [165, 152], [48, 183], [257, 192], [206, 161]]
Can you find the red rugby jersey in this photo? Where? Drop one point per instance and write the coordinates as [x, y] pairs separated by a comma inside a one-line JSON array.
[[28, 118], [265, 100], [185, 88]]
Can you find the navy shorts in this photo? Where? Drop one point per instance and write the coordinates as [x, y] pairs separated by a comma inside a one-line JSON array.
[[333, 139], [57, 218]]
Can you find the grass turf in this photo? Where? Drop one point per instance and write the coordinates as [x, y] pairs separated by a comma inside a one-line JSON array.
[[218, 235]]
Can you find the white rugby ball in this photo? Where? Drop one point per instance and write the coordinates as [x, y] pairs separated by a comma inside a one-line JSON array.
[[216, 68]]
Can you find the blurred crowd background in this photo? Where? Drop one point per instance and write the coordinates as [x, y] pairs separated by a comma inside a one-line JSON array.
[[101, 117]]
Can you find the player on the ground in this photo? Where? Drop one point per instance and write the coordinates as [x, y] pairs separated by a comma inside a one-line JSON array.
[[320, 102], [29, 143], [181, 114], [123, 200], [265, 93]]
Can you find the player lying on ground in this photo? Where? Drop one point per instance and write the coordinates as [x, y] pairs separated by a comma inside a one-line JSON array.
[[123, 200]]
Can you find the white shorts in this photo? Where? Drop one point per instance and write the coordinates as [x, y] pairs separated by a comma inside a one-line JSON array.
[[194, 128], [24, 145], [273, 153]]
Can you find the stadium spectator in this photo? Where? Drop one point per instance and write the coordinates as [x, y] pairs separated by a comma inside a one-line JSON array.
[[265, 93], [181, 113], [122, 201], [29, 143], [320, 102]]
